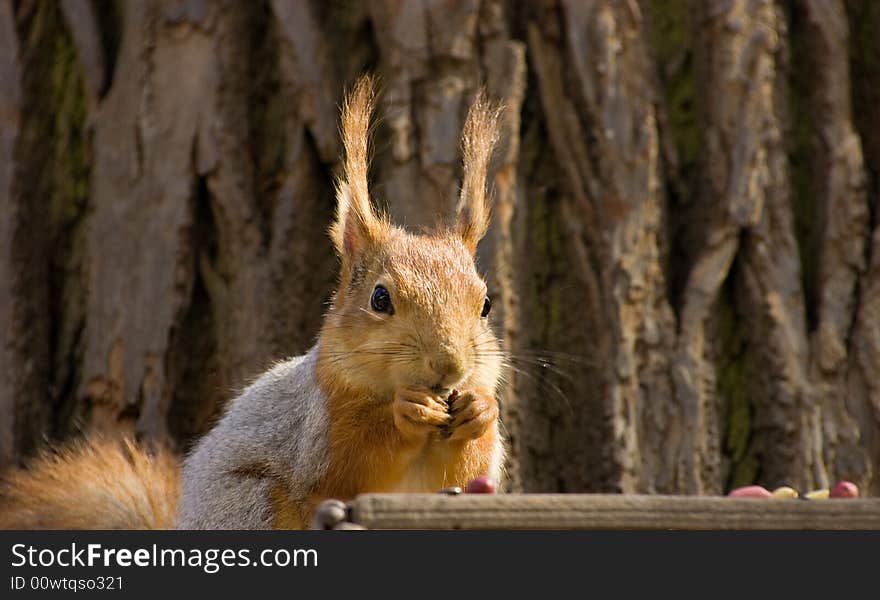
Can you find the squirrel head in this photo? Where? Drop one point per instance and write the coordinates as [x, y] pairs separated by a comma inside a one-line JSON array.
[[410, 310]]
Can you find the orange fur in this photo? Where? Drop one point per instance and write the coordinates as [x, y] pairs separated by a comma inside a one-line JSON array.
[[366, 358], [93, 484], [288, 514], [356, 225], [478, 138], [368, 454]]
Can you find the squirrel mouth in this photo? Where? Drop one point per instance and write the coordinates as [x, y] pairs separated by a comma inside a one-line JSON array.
[[441, 390]]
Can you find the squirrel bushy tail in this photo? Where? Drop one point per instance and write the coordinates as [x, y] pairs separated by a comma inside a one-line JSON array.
[[93, 484]]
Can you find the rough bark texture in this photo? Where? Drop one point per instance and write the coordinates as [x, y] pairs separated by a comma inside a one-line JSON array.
[[685, 252], [10, 123]]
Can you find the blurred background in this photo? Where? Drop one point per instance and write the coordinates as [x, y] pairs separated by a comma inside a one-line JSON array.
[[685, 253]]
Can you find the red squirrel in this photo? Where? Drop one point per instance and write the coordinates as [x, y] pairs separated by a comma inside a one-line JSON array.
[[397, 394]]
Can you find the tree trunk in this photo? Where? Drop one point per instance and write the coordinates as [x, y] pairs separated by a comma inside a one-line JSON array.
[[685, 253]]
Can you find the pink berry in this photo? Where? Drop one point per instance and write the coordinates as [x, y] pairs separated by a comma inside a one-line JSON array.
[[750, 491], [845, 489], [480, 485]]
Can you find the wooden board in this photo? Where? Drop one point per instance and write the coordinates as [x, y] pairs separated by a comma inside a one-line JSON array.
[[607, 511]]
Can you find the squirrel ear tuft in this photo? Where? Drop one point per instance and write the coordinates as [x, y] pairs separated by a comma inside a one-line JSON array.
[[356, 225], [478, 139]]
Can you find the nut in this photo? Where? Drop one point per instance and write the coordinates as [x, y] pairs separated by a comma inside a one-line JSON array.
[[329, 514], [480, 485], [822, 494], [845, 489], [750, 491], [785, 493]]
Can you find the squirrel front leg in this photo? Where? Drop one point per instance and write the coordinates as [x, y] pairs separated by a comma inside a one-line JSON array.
[[472, 413], [418, 413], [461, 444]]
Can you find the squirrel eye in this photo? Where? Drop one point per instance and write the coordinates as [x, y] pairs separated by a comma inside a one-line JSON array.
[[380, 301], [487, 306]]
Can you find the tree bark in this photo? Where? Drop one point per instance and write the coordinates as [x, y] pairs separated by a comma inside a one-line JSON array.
[[10, 119]]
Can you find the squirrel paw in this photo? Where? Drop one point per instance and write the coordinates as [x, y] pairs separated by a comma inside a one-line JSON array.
[[418, 412], [472, 413]]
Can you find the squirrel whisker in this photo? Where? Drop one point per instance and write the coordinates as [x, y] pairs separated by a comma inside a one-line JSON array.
[[542, 384]]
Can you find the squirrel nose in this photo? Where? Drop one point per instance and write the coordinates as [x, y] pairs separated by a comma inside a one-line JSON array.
[[448, 368]]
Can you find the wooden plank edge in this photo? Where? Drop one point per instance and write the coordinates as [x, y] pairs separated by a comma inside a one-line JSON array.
[[609, 511]]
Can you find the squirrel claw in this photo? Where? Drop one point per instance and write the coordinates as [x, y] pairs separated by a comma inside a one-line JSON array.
[[474, 413], [418, 412]]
